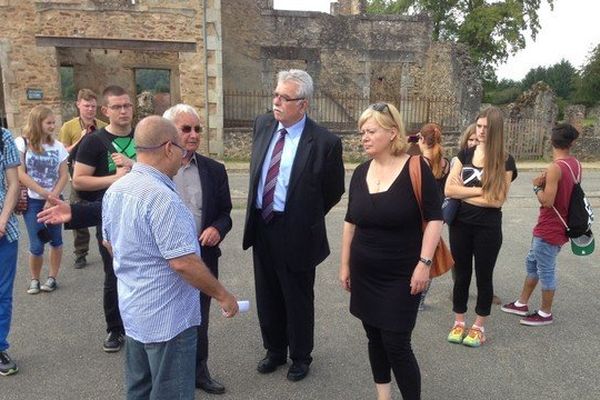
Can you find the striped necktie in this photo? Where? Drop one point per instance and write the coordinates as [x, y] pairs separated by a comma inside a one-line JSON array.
[[271, 180]]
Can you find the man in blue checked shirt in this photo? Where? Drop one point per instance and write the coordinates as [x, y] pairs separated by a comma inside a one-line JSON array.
[[9, 237], [152, 236]]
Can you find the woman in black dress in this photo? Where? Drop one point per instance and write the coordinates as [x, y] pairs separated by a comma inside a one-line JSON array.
[[386, 256]]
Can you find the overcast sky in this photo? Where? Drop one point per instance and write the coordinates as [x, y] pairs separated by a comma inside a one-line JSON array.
[[570, 31]]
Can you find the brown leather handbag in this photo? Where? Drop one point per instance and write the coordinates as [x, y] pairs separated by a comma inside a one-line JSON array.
[[442, 258]]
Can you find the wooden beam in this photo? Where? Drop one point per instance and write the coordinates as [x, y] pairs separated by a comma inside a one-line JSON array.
[[115, 44]]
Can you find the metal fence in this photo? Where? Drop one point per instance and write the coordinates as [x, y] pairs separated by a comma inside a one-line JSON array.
[[524, 139], [342, 112]]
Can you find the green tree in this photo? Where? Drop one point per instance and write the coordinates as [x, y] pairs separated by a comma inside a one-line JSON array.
[[492, 29], [502, 92], [588, 84]]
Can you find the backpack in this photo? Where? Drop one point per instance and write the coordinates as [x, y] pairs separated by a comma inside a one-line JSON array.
[[580, 214]]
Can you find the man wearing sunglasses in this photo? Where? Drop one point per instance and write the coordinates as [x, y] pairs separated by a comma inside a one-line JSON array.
[[157, 262], [103, 157], [203, 185], [296, 177]]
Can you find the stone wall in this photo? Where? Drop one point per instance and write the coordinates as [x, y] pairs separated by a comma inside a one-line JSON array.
[[380, 57], [238, 144], [118, 34], [587, 122]]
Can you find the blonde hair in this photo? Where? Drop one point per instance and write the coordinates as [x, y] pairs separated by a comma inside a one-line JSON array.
[[33, 128], [432, 136], [463, 142], [388, 118], [494, 185]]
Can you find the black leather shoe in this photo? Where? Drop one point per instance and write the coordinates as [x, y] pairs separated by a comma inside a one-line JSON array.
[[80, 262], [269, 364], [298, 371], [113, 342], [209, 385]]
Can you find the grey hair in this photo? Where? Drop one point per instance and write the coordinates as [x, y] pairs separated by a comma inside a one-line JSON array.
[[302, 78], [174, 112]]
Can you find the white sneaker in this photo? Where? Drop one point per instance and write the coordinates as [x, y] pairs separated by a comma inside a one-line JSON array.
[[34, 287], [50, 285]]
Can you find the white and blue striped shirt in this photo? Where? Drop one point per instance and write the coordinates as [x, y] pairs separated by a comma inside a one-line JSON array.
[[147, 224]]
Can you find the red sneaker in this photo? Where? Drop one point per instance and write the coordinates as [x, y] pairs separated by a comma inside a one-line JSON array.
[[511, 308], [536, 319]]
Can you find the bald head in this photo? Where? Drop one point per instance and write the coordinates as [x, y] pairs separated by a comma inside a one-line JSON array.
[[152, 131]]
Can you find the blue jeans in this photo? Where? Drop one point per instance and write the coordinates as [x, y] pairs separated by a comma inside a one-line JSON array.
[[164, 370], [36, 246], [541, 263], [8, 268]]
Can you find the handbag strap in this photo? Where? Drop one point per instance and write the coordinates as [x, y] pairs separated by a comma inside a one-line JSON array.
[[576, 180], [414, 169]]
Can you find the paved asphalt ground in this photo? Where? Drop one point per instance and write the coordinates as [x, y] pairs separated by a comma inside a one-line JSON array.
[[56, 338]]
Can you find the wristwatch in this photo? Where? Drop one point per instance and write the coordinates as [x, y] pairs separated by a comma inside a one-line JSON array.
[[536, 189], [426, 261]]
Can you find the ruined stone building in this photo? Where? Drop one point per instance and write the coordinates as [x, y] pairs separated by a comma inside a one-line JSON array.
[[106, 42], [211, 48], [349, 54]]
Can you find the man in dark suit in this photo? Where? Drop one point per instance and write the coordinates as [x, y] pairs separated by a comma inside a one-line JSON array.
[[203, 185], [296, 177]]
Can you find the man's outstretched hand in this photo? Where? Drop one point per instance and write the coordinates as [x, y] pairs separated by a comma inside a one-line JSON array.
[[59, 212]]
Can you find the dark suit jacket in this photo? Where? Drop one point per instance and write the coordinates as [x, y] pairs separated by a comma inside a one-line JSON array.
[[316, 185], [85, 214], [216, 206], [216, 203]]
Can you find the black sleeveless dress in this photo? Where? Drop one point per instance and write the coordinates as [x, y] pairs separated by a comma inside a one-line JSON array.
[[386, 247]]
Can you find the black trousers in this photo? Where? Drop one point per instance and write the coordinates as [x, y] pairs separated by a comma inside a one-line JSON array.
[[110, 299], [392, 350], [483, 243], [284, 298], [202, 346]]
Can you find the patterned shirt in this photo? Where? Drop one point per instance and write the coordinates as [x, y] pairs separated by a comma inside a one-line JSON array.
[[9, 158], [147, 224]]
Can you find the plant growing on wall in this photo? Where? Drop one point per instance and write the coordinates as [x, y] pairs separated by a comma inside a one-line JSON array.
[[492, 29]]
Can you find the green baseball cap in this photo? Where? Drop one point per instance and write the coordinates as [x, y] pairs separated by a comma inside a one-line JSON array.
[[583, 245]]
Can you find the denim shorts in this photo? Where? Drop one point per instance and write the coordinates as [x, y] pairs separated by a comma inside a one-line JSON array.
[[541, 262], [36, 246]]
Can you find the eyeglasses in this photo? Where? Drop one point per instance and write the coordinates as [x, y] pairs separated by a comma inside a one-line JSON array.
[[188, 128], [381, 107], [185, 152], [285, 98], [119, 107]]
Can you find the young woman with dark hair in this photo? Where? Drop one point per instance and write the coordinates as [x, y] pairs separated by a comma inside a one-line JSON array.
[[552, 189]]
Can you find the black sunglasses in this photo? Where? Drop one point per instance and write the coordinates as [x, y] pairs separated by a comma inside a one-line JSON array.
[[380, 107], [188, 129]]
